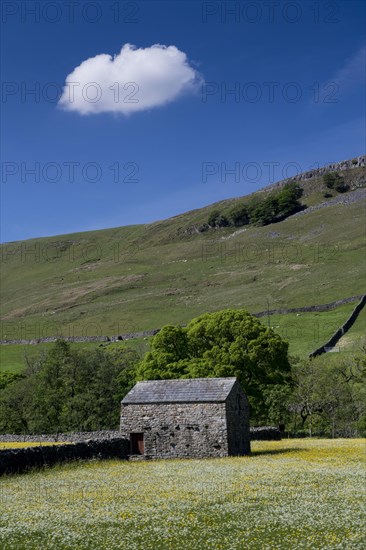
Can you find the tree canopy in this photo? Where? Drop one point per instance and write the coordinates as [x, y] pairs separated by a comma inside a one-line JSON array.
[[277, 205], [328, 397], [216, 219], [239, 215], [68, 389], [224, 343]]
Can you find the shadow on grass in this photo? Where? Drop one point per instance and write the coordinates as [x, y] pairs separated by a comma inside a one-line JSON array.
[[276, 451]]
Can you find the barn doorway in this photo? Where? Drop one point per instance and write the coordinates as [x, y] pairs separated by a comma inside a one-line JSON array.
[[137, 443]]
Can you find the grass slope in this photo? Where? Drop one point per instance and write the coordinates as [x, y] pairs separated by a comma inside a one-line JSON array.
[[141, 277], [304, 332], [356, 336], [307, 331], [288, 494], [13, 357]]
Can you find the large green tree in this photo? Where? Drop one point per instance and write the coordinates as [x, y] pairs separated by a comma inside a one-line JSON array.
[[224, 343]]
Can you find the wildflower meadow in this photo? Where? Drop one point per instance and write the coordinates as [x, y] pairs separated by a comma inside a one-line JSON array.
[[302, 493]]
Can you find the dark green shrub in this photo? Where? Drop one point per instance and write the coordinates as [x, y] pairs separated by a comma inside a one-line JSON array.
[[239, 215], [342, 187], [335, 181], [329, 180], [216, 219], [288, 200]]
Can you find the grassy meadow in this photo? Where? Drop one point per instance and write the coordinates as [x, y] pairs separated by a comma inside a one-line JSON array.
[[304, 493]]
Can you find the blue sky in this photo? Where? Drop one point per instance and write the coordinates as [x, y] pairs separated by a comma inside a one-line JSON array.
[[297, 68]]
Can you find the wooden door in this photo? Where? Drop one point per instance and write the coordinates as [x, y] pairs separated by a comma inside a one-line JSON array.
[[137, 443]]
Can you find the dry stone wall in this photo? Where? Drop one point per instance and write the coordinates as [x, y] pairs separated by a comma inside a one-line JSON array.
[[146, 333], [265, 433], [102, 435], [114, 338], [304, 309], [342, 330], [14, 461], [60, 437]]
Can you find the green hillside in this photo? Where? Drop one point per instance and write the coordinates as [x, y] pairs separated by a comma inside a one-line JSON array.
[[13, 357], [305, 332], [141, 277]]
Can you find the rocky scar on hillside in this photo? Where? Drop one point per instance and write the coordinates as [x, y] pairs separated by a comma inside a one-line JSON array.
[[357, 162], [280, 200], [344, 200]]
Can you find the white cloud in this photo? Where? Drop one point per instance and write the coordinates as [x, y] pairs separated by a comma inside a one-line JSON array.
[[131, 81]]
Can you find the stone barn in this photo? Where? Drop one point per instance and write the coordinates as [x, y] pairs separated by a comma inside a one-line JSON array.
[[199, 417]]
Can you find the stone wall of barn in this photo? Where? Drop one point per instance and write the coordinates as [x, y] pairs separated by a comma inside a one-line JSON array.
[[178, 430], [237, 418]]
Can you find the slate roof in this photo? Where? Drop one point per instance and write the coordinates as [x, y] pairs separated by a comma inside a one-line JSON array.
[[194, 390]]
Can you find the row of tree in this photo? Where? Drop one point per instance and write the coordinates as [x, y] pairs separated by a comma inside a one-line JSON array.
[[327, 397], [68, 389], [271, 208]]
